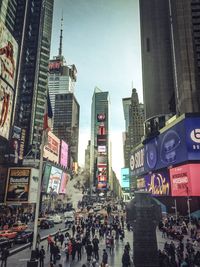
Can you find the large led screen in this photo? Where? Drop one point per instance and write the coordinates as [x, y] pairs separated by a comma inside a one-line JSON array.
[[185, 180], [64, 181], [125, 178], [54, 180], [64, 154], [8, 55], [52, 149], [6, 103], [45, 177], [156, 183]]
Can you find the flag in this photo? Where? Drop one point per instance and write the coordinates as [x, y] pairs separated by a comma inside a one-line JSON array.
[[48, 115]]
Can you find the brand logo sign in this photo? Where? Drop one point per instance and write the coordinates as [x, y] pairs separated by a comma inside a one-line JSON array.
[[137, 162], [195, 135]]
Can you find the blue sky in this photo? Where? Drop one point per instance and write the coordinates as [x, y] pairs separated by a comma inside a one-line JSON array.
[[102, 38]]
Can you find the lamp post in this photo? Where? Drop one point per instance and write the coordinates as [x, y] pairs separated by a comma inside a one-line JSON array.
[[188, 204]]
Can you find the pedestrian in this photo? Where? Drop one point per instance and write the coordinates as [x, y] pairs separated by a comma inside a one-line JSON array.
[[79, 249], [126, 261], [38, 240], [95, 242], [61, 239], [89, 250], [4, 256], [49, 240], [42, 256], [105, 257]]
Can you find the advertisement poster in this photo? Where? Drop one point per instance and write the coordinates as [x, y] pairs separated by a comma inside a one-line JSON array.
[[102, 185], [8, 55], [6, 102], [45, 178], [192, 126], [18, 185], [64, 181], [125, 178], [15, 145], [185, 180], [64, 154], [33, 188], [54, 180], [52, 149]]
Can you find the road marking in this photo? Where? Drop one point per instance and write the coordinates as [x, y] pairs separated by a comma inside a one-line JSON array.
[[24, 259]]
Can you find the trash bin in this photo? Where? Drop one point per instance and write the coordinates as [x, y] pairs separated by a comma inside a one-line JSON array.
[[32, 263]]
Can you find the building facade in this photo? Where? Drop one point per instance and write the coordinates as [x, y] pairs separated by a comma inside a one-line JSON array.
[[134, 119], [66, 123], [100, 145]]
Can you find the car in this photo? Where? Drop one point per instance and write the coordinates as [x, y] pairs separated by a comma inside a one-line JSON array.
[[8, 233], [46, 224], [24, 236], [69, 219], [69, 214], [40, 219], [17, 227], [56, 218], [6, 243]]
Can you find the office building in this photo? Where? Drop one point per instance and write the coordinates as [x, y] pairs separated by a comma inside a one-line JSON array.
[[62, 77], [100, 145], [66, 123], [32, 29], [134, 119], [170, 56]]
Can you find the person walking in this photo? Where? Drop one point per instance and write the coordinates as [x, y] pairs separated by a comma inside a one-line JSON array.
[[79, 249], [105, 257], [4, 257], [95, 242], [126, 261], [89, 250], [42, 256]]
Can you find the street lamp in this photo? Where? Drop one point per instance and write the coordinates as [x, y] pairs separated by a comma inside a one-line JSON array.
[[188, 204]]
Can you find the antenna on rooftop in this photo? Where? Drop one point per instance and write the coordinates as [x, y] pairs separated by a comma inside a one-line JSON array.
[[61, 36]]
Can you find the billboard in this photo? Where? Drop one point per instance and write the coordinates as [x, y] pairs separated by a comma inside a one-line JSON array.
[[101, 117], [101, 149], [102, 185], [33, 188], [102, 160], [64, 154], [156, 183], [102, 174], [101, 140], [45, 177], [8, 55], [137, 161], [15, 145], [54, 180], [6, 103], [63, 184], [55, 65], [125, 178], [52, 149], [18, 185], [192, 127], [185, 180]]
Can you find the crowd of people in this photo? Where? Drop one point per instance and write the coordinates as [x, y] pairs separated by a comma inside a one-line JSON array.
[[85, 237], [182, 247]]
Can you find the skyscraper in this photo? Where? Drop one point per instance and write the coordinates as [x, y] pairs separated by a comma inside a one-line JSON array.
[[170, 56], [134, 119], [32, 29], [100, 145], [62, 77], [66, 123]]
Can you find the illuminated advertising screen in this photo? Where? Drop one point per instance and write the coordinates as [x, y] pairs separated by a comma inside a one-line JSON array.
[[137, 162], [54, 180], [125, 178], [101, 149], [101, 117], [52, 149], [6, 102], [102, 160], [18, 185], [101, 129], [192, 127], [101, 140], [157, 183], [8, 55], [55, 65], [64, 181], [102, 174], [45, 177], [64, 154], [15, 145], [185, 180], [102, 185]]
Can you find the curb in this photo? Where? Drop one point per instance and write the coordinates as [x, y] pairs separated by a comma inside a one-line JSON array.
[[16, 250]]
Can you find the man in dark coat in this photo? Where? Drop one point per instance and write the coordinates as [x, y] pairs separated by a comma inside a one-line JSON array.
[[42, 256], [95, 242], [126, 259], [89, 250], [4, 257]]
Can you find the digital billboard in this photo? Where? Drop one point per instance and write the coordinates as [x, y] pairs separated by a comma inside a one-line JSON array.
[[185, 180], [102, 174], [192, 126], [52, 149], [3, 180], [102, 185], [15, 145], [101, 140], [18, 185], [55, 65], [156, 183], [137, 161], [6, 103], [101, 149], [45, 177], [125, 178], [64, 181], [64, 154], [101, 117], [8, 55], [54, 180]]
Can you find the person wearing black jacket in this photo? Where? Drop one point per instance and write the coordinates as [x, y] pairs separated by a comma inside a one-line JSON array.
[[42, 256], [95, 242], [126, 261], [89, 250], [4, 257]]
